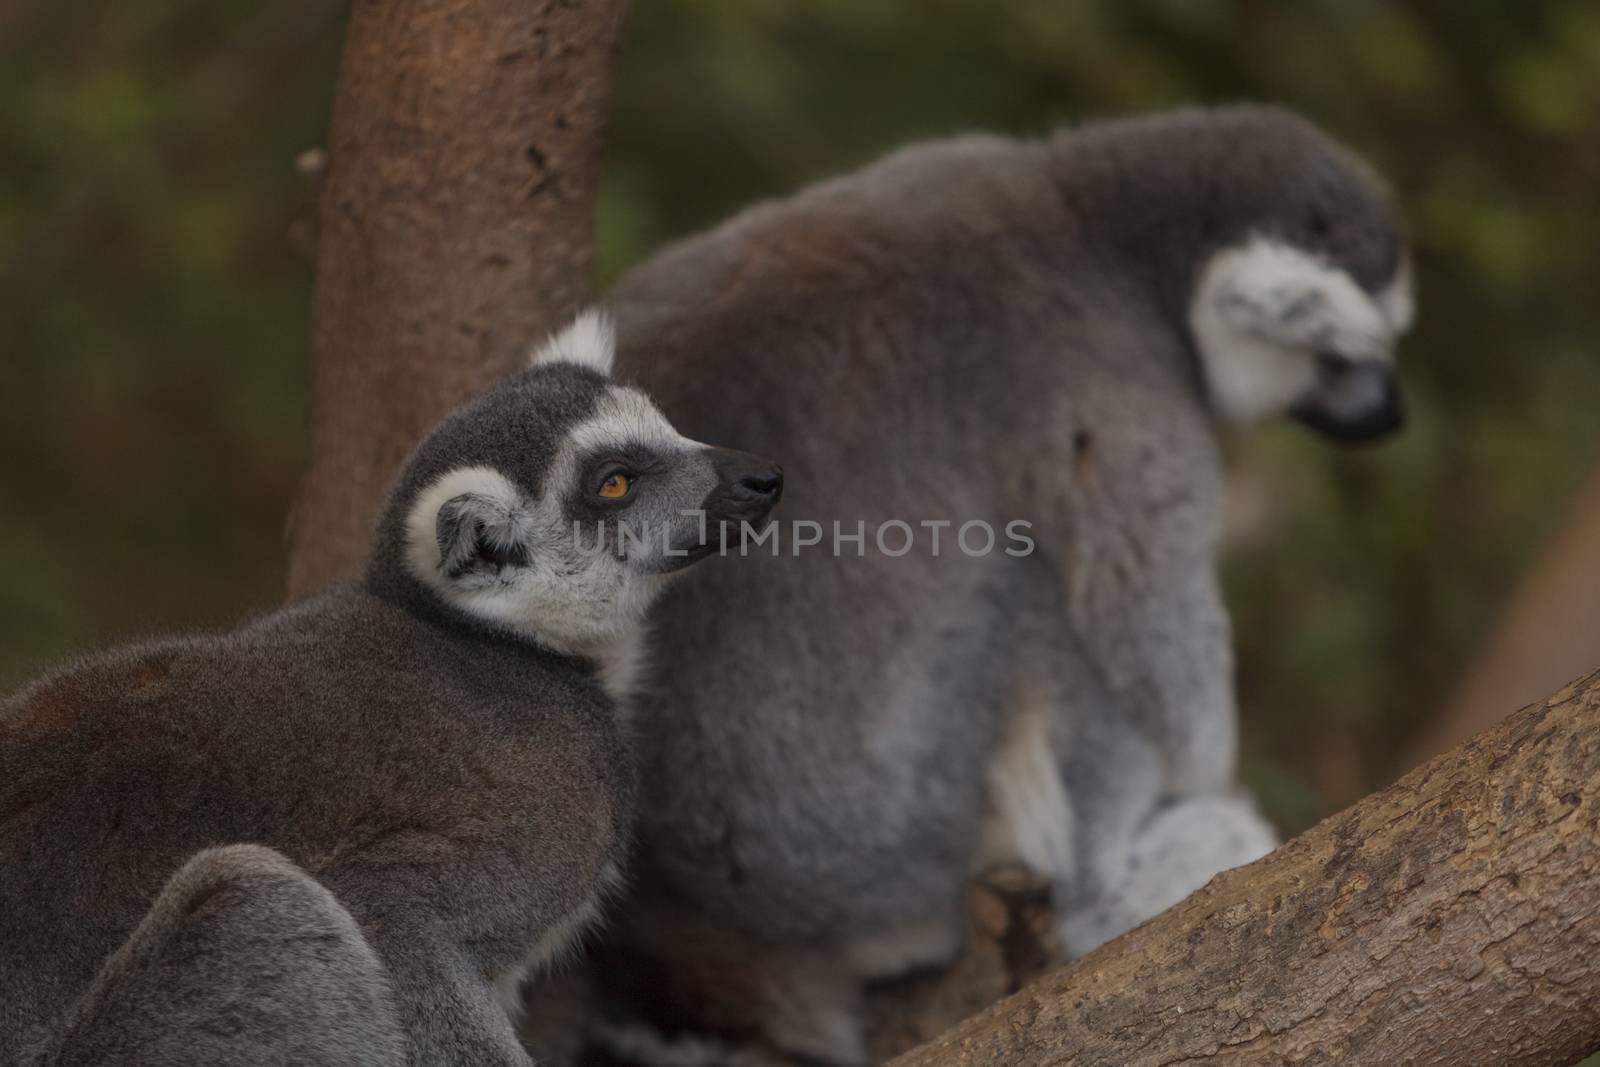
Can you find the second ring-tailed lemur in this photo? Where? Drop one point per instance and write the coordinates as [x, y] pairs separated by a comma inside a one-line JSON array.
[[976, 329], [338, 833]]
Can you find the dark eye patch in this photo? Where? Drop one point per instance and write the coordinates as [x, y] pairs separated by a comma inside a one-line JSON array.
[[637, 462], [1317, 221], [633, 460]]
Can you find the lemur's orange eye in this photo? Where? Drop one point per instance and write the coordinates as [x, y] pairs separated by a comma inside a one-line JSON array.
[[615, 487]]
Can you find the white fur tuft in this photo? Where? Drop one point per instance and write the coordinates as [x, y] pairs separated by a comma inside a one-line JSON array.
[[903, 949], [1029, 819], [590, 341]]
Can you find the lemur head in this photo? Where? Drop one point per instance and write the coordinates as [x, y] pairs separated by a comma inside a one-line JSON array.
[[556, 505], [1281, 254], [1297, 306]]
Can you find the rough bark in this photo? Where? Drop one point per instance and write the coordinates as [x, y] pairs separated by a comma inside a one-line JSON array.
[[1549, 631], [1452, 918], [455, 227]]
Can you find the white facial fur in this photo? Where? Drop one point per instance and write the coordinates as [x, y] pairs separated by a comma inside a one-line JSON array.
[[1263, 310], [624, 415], [1396, 302]]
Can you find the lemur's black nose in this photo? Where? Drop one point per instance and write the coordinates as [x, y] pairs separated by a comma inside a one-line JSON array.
[[748, 486], [768, 483]]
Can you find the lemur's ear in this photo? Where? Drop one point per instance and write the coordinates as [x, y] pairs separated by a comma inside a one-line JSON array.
[[471, 524], [478, 533], [590, 341]]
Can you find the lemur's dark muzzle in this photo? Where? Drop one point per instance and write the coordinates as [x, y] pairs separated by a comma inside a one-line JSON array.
[[1357, 404], [748, 487]]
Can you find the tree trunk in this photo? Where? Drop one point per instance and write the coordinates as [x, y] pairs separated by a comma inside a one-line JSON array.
[[1452, 918], [455, 228]]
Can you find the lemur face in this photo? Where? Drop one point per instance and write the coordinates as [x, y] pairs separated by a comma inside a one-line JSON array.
[[570, 532], [1302, 317]]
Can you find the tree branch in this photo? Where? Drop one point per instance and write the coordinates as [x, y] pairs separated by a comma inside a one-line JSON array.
[[455, 228], [1452, 918], [1546, 632]]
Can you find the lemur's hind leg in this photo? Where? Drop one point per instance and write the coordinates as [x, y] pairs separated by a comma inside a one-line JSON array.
[[1080, 794], [244, 959], [1028, 817], [1184, 843], [1140, 848]]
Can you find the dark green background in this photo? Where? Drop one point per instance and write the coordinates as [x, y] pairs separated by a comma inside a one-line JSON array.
[[153, 313]]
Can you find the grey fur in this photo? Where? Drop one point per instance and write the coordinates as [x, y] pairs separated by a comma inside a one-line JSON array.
[[982, 328], [440, 789], [244, 958]]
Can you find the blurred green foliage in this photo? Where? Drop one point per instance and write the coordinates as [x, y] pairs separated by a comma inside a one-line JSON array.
[[153, 314]]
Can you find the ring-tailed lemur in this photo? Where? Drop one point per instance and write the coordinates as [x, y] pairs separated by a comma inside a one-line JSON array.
[[326, 837], [994, 329]]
